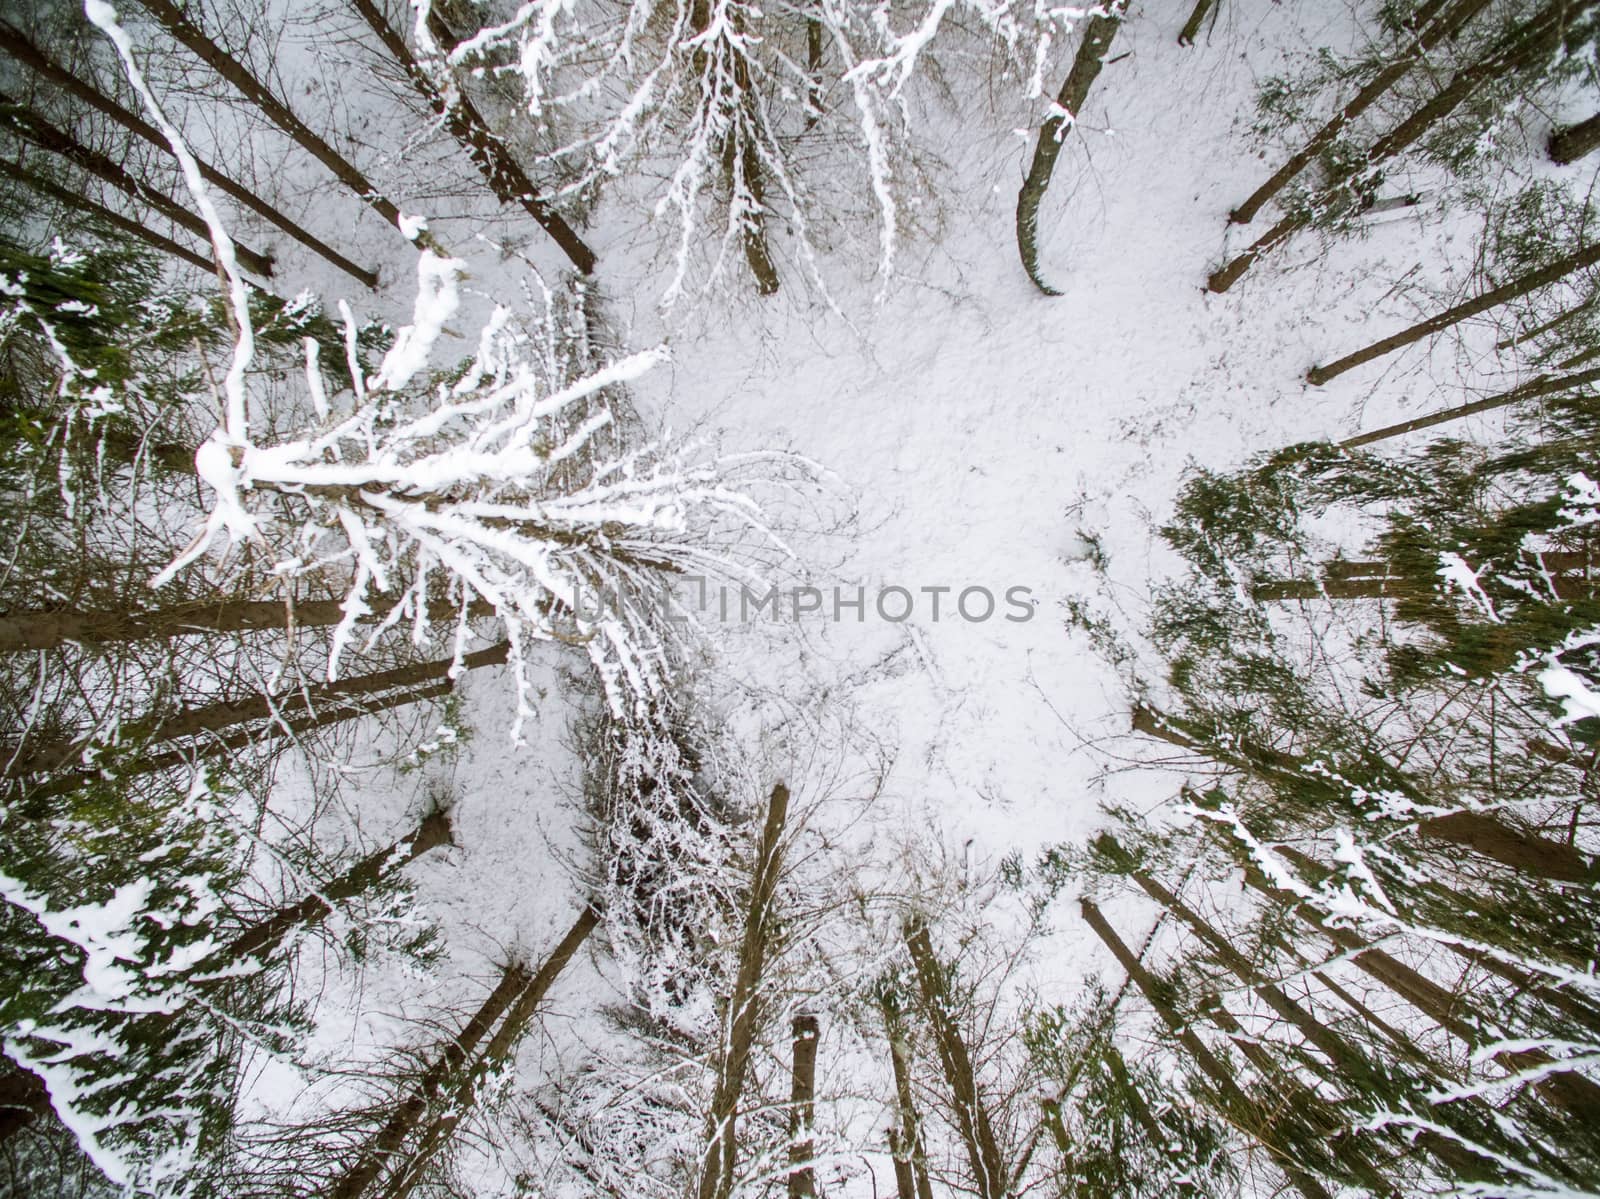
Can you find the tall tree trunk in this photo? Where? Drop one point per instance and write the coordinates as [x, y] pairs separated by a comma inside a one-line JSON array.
[[905, 1137], [215, 718], [439, 1131], [742, 1017], [1191, 27], [186, 32], [803, 1107], [1086, 65], [1576, 261], [972, 1115], [1572, 142], [17, 44], [34, 128], [1435, 28], [1544, 385], [1536, 38], [1221, 1078], [814, 107], [757, 255], [500, 170], [261, 938], [1572, 576], [43, 630]]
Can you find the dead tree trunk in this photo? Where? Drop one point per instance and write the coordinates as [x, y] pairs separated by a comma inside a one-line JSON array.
[[1221, 1078], [1086, 65], [504, 175], [193, 723], [32, 127], [173, 19], [263, 937], [17, 44], [742, 1016], [1191, 27], [972, 1115], [442, 1127], [1576, 261], [1435, 28], [1572, 142], [803, 1107], [1544, 385], [113, 219], [1537, 37], [905, 1137]]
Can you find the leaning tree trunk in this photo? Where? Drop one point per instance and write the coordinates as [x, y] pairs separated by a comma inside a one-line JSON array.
[[1565, 265], [1191, 27], [1086, 65], [742, 1016], [34, 128], [504, 175], [1530, 42], [193, 723], [1534, 389], [17, 44], [115, 220], [905, 1136], [1221, 1078], [803, 1107], [261, 938], [1572, 142], [439, 1131], [43, 630], [1434, 29], [972, 1116], [182, 29]]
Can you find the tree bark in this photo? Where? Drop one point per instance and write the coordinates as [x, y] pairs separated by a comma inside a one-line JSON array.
[[1572, 142], [1221, 1078], [214, 718], [1086, 65], [905, 1139], [1534, 389], [115, 220], [742, 1016], [1538, 36], [972, 1116], [1576, 261], [1434, 29], [23, 1099], [263, 937], [500, 170], [803, 1107], [183, 30], [442, 1127], [17, 44], [34, 128], [1191, 27]]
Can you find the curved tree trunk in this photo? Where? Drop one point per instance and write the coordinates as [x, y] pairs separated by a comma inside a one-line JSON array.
[[1086, 64]]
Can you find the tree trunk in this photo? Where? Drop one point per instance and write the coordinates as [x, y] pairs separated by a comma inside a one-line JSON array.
[[504, 175], [1539, 36], [1572, 142], [1576, 261], [1435, 28], [214, 718], [31, 126], [1534, 389], [16, 43], [1221, 1078], [756, 253], [498, 1051], [43, 630], [814, 107], [1191, 27], [803, 1108], [742, 1016], [115, 220], [186, 32], [1086, 65], [905, 1140], [972, 1116], [23, 1099], [1572, 576], [263, 937]]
